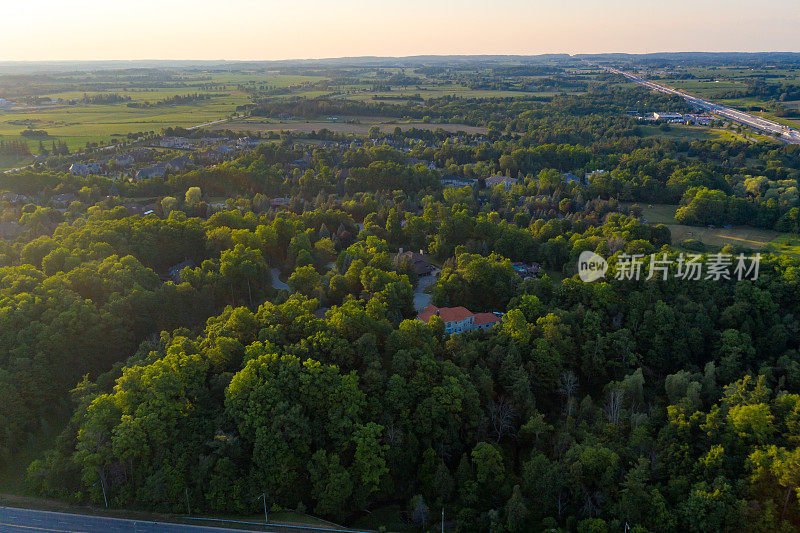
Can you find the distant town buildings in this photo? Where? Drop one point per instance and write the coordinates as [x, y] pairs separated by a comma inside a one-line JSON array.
[[677, 117], [175, 142], [700, 120]]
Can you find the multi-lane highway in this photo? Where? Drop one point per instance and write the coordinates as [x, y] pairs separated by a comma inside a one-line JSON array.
[[787, 134], [15, 520]]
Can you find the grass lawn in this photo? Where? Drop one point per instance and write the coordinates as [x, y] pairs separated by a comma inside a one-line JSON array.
[[13, 162], [694, 133]]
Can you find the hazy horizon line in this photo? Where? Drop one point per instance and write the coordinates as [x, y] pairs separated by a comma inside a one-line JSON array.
[[413, 56]]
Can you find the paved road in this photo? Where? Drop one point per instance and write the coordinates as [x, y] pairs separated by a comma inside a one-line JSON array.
[[214, 122], [421, 299], [276, 282], [14, 520], [787, 134]]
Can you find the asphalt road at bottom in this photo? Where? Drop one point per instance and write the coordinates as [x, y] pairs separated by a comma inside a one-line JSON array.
[[15, 520]]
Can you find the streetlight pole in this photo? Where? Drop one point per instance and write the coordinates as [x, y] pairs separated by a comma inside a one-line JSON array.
[[264, 497], [102, 484]]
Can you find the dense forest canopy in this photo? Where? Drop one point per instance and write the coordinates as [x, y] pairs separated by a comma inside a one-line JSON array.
[[227, 344]]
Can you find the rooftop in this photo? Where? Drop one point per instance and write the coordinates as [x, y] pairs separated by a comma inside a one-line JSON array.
[[447, 314]]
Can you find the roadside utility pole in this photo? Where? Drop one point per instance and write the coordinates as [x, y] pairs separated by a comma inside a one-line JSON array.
[[264, 497]]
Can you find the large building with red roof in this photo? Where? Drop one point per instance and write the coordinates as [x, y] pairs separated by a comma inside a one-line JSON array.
[[459, 319]]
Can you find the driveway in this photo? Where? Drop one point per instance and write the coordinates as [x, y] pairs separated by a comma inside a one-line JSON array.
[[276, 282]]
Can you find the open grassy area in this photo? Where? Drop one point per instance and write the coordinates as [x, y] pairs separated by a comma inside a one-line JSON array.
[[746, 236], [256, 124], [694, 133]]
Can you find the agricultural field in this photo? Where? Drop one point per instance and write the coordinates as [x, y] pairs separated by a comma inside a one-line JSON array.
[[84, 122], [77, 125], [437, 91], [343, 125]]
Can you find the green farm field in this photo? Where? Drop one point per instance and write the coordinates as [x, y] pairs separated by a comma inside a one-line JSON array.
[[77, 125], [340, 126], [85, 122]]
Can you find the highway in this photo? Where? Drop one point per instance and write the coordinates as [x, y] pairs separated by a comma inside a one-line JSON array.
[[787, 134], [15, 520]]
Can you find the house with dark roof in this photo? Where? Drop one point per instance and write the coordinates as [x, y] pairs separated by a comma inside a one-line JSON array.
[[156, 171], [419, 262], [459, 319], [279, 202], [122, 160], [178, 163], [302, 163], [11, 229], [175, 271], [84, 169], [63, 200], [499, 179]]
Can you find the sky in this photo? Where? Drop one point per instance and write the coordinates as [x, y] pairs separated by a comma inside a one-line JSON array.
[[295, 29]]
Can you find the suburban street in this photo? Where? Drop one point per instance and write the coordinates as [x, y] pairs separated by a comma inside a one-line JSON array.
[[15, 520], [787, 134]]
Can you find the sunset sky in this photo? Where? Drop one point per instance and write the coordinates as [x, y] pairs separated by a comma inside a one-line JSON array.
[[266, 29]]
